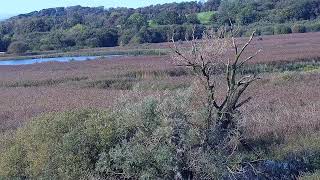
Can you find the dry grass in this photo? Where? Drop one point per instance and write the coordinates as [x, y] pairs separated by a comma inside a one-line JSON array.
[[283, 107], [283, 104], [28, 91]]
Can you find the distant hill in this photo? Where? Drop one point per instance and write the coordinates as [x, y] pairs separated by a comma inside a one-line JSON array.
[[79, 27]]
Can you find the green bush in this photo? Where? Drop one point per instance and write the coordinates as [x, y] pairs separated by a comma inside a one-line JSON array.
[[298, 28], [119, 84], [131, 141], [282, 29], [311, 176], [307, 147], [268, 30], [315, 27], [61, 146], [145, 153], [18, 47], [206, 17]]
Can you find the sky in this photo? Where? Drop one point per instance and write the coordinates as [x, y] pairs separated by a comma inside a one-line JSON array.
[[14, 7]]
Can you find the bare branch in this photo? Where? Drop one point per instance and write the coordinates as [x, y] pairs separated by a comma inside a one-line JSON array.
[[250, 80], [249, 58], [243, 102], [244, 47], [203, 56]]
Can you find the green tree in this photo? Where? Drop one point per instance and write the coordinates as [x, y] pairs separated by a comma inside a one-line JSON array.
[[18, 47], [4, 43], [247, 15], [193, 19], [78, 33], [211, 5], [168, 18], [298, 28], [107, 37], [229, 10], [136, 21], [282, 29]]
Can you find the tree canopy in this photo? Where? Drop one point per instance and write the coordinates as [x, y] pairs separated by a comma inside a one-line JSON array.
[[79, 27]]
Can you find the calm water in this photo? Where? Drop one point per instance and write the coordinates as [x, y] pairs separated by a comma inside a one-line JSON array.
[[57, 59]]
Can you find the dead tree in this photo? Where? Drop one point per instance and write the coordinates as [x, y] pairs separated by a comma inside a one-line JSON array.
[[204, 56]]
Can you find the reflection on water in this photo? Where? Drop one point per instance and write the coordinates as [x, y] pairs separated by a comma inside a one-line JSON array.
[[57, 59]]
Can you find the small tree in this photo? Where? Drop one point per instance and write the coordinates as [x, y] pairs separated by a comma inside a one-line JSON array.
[[205, 57], [282, 29], [193, 19], [136, 21], [18, 47], [298, 28]]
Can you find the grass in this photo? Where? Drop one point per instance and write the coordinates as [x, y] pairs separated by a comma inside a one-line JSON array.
[[156, 74], [127, 81], [152, 23], [41, 88], [38, 83], [311, 176], [282, 119], [303, 66], [278, 124], [205, 17], [117, 84]]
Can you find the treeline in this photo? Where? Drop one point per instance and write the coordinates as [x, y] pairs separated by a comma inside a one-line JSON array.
[[79, 27]]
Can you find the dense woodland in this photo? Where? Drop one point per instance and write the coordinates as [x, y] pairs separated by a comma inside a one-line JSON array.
[[79, 27]]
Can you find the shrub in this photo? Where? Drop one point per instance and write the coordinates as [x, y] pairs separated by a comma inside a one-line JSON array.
[[308, 145], [298, 28], [140, 140], [315, 27], [311, 176], [18, 47], [282, 29], [267, 30], [146, 152], [310, 68], [63, 146], [206, 17], [119, 84], [125, 37], [133, 141], [159, 86]]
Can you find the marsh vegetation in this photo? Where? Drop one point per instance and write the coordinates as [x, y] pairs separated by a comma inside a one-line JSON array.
[[126, 118], [198, 90]]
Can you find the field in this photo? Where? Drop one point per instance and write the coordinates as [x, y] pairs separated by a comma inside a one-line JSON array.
[[285, 102], [27, 91], [205, 17]]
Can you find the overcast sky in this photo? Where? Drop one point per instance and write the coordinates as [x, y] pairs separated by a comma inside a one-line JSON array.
[[14, 7]]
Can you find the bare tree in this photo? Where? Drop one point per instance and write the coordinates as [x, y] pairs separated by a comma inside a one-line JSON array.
[[204, 57]]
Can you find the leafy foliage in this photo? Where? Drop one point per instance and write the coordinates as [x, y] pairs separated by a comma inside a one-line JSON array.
[[298, 28], [133, 140], [59, 146], [78, 27], [206, 17], [282, 29], [18, 47]]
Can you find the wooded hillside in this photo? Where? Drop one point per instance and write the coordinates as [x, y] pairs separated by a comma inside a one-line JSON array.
[[79, 27]]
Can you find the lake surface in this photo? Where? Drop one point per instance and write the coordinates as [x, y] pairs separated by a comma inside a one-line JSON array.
[[57, 59]]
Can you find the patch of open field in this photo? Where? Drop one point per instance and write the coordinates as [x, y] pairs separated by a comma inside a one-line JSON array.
[[205, 17]]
